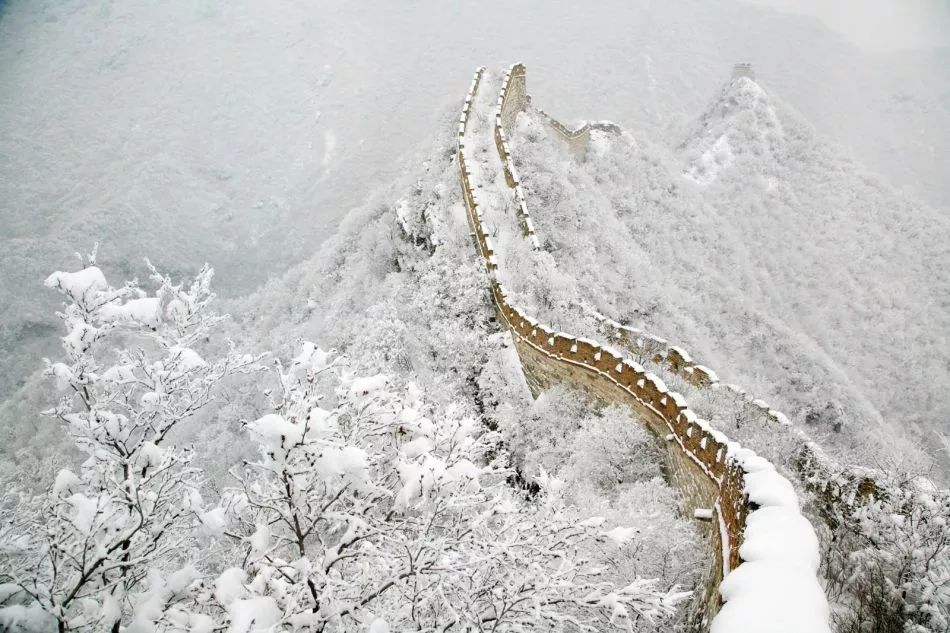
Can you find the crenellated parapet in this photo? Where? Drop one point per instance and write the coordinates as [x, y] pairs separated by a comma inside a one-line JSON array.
[[513, 99], [578, 139]]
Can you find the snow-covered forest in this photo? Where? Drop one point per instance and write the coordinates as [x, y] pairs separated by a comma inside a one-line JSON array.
[[426, 440], [753, 238], [327, 426]]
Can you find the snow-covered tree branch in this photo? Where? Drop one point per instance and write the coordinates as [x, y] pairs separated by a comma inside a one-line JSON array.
[[888, 563], [131, 375]]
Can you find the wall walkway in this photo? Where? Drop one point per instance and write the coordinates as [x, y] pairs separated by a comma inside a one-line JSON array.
[[757, 533]]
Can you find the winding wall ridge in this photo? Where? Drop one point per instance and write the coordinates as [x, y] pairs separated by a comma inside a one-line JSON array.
[[831, 481], [512, 91], [761, 544]]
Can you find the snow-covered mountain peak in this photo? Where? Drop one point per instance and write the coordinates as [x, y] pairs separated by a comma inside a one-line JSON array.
[[741, 123]]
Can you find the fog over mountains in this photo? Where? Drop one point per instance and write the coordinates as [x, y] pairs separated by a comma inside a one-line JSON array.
[[239, 134]]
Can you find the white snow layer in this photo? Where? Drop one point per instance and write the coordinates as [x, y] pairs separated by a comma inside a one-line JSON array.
[[776, 588], [754, 606], [147, 310], [78, 284], [718, 157]]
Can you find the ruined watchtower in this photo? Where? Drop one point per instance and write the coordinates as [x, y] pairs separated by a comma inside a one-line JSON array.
[[743, 70]]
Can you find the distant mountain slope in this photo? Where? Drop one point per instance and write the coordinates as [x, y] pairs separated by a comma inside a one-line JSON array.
[[770, 255]]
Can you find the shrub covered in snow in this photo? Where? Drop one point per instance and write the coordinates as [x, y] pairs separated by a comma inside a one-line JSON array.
[[611, 467], [562, 434], [379, 511], [887, 556]]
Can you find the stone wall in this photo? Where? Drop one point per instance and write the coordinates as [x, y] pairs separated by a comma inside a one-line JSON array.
[[577, 139], [712, 472], [700, 492], [513, 99]]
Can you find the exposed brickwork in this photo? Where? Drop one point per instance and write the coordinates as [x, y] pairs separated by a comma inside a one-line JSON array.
[[515, 95]]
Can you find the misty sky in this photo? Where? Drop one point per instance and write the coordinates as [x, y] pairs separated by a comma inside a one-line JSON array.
[[878, 24]]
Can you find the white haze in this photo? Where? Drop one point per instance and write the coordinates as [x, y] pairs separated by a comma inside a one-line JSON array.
[[878, 24], [240, 133]]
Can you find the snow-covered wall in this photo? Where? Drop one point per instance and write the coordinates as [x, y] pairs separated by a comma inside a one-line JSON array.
[[512, 99], [577, 139], [765, 552]]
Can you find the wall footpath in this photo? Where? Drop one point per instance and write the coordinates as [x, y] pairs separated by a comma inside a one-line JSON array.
[[712, 472]]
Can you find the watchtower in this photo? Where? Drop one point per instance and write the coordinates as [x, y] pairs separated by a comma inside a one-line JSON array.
[[743, 70]]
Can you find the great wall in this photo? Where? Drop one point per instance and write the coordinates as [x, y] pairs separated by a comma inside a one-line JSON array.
[[763, 552]]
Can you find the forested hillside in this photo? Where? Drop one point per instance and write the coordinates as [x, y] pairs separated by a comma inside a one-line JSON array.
[[772, 256]]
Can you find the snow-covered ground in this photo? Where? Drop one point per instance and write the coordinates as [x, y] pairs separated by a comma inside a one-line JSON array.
[[240, 133]]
